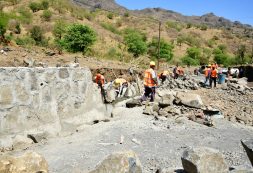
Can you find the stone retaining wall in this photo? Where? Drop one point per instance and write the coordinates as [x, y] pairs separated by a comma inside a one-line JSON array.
[[47, 99]]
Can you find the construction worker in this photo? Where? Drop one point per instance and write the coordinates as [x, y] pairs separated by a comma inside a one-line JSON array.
[[164, 75], [150, 83], [100, 81], [175, 72], [120, 84], [207, 73], [213, 75]]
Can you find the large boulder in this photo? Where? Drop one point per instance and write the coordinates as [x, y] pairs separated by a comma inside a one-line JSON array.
[[203, 160], [28, 163], [189, 99], [124, 162], [248, 146], [166, 100]]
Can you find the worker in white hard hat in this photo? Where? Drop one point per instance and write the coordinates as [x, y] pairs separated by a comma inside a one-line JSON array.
[[150, 83]]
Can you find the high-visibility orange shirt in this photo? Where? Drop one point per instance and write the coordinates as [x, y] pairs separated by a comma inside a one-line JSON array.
[[214, 73], [148, 80], [207, 72], [100, 79]]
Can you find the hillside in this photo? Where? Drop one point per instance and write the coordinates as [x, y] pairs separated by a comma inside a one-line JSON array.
[[204, 34]]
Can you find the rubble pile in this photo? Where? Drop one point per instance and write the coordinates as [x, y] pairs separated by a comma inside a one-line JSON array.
[[238, 86], [235, 105], [185, 82], [172, 104]]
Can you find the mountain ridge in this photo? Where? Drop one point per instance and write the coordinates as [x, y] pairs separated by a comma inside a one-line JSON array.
[[209, 19]]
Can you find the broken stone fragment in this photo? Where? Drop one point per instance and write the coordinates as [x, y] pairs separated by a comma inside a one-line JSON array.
[[189, 99], [28, 163], [203, 160], [248, 146], [133, 103], [124, 162]]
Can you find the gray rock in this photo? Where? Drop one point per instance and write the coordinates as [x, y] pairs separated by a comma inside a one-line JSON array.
[[151, 108], [248, 146], [166, 100], [21, 142], [203, 160], [188, 99], [110, 95], [125, 162], [133, 103]]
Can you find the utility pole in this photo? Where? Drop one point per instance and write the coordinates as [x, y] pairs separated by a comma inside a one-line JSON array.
[[159, 44]]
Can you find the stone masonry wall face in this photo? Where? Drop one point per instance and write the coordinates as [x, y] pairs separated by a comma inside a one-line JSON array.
[[51, 98]]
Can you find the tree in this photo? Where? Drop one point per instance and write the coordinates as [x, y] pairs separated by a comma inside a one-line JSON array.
[[37, 34], [59, 29], [194, 52], [79, 38], [165, 49], [241, 53], [136, 42]]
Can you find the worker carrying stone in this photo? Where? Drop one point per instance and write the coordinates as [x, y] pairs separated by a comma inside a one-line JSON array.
[[121, 85], [164, 75], [150, 83], [100, 81]]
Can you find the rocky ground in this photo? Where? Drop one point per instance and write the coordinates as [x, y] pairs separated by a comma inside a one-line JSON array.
[[159, 137], [158, 142]]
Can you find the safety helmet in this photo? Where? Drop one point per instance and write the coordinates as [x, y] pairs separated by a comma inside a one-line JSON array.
[[152, 63], [166, 72]]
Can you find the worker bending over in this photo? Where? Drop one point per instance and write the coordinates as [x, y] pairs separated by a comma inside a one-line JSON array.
[[164, 75], [150, 83], [121, 85]]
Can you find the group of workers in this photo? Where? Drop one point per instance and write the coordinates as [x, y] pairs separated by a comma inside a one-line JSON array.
[[211, 74], [151, 80]]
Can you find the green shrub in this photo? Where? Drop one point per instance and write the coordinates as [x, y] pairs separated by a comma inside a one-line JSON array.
[[34, 6], [136, 42], [3, 25], [79, 38], [190, 61], [47, 14], [203, 27], [25, 41], [189, 40], [176, 25], [44, 5], [37, 34], [166, 49], [59, 29], [126, 14], [110, 15]]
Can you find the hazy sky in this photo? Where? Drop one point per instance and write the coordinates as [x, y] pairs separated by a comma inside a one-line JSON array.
[[240, 10]]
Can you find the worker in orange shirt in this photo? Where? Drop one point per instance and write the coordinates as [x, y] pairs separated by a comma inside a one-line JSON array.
[[207, 73], [100, 81], [213, 76], [150, 83]]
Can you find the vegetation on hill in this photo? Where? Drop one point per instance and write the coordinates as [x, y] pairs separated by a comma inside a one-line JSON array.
[[63, 26]]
